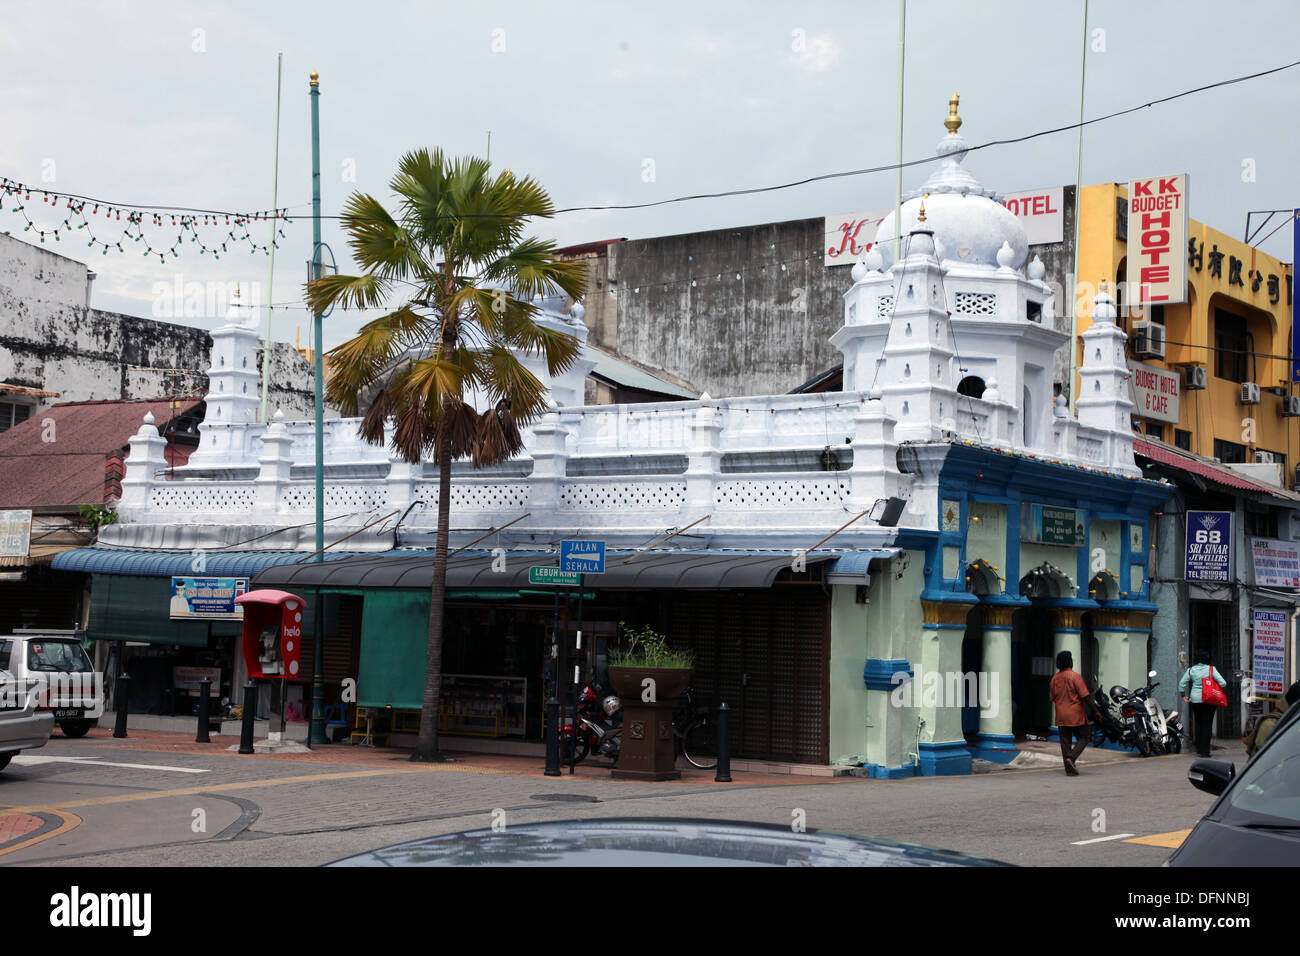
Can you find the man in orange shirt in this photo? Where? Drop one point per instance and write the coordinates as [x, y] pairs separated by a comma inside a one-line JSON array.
[[1073, 704]]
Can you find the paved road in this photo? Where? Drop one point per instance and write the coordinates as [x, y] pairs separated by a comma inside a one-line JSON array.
[[142, 803]]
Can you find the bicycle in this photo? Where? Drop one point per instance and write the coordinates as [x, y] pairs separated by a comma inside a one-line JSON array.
[[695, 733]]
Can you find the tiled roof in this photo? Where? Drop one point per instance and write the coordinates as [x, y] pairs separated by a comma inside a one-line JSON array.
[[71, 453], [1166, 455]]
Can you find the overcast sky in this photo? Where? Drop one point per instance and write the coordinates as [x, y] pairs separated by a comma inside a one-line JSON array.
[[173, 103]]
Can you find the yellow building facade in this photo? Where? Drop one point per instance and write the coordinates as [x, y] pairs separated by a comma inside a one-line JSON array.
[[1235, 324]]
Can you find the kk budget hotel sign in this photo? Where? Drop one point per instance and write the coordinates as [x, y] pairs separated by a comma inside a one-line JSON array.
[[1157, 236]]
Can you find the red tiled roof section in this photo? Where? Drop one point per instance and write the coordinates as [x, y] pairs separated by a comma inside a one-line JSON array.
[[1216, 473], [74, 453]]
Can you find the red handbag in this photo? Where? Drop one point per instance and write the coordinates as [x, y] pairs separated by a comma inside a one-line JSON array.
[[1212, 693]]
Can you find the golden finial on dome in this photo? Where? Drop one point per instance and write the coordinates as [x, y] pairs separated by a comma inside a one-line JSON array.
[[953, 122], [921, 215], [236, 290], [315, 78]]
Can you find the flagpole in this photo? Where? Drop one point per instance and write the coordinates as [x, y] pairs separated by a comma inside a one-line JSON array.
[[275, 225], [1078, 217]]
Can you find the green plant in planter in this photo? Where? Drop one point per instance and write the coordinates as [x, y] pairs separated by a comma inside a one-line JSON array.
[[648, 648]]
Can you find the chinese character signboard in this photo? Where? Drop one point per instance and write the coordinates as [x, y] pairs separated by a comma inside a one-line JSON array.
[[15, 533], [1268, 659], [1157, 238], [207, 599], [1209, 547], [1277, 563], [1295, 330], [1154, 392]]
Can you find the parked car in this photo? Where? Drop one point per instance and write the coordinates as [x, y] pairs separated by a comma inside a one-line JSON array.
[[22, 726], [656, 842], [1256, 820], [56, 665]]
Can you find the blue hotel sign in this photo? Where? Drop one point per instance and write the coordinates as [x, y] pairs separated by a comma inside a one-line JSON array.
[[1208, 556]]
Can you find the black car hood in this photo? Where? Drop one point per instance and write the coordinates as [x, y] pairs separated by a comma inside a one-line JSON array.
[[651, 842]]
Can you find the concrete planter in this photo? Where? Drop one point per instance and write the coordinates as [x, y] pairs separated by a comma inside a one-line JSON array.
[[648, 751]]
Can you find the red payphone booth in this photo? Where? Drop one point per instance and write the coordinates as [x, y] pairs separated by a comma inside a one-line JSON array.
[[272, 638]]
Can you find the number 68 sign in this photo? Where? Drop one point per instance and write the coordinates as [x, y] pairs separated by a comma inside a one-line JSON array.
[[1208, 555]]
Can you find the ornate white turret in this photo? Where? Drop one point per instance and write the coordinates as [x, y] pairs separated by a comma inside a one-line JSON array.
[[234, 380], [1103, 400], [916, 374]]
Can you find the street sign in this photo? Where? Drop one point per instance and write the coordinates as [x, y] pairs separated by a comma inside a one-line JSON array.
[[582, 557], [548, 575]]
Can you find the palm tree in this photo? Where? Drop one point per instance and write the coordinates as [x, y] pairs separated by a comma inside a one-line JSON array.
[[456, 258]]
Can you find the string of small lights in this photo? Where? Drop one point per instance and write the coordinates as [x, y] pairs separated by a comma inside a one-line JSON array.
[[16, 197]]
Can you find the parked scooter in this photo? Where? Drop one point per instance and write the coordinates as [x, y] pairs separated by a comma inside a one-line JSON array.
[[1133, 710], [1109, 725], [600, 726], [1166, 726]]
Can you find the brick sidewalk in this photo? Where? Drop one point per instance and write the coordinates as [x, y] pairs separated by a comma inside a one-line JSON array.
[[373, 757]]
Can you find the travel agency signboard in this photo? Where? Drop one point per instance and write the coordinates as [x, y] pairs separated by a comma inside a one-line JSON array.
[[849, 237]]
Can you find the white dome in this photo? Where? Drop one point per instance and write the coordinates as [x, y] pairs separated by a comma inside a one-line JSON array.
[[969, 229], [969, 225]]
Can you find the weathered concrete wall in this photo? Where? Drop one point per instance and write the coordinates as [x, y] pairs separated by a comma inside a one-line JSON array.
[[749, 311], [50, 340], [682, 307]]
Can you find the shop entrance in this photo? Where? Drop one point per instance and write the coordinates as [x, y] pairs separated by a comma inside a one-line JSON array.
[[765, 654], [1214, 629], [1032, 668]]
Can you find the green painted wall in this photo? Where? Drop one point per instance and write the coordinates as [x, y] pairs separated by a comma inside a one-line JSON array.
[[987, 537], [865, 723]]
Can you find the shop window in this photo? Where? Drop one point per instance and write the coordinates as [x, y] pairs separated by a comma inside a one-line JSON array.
[[1182, 439], [1232, 347], [1155, 430], [13, 413], [1229, 452], [1261, 524]]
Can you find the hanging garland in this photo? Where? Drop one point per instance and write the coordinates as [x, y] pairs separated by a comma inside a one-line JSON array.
[[16, 195]]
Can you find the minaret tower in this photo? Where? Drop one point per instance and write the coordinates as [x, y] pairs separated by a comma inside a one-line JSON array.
[[233, 379], [916, 375]]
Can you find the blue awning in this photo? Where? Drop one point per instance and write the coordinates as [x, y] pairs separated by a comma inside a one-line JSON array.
[[166, 564], [854, 567]]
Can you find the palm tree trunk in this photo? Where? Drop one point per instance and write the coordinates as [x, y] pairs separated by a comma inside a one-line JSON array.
[[426, 747]]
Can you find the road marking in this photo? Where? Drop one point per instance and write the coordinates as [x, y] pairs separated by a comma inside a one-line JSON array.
[[70, 822], [1173, 840], [22, 760], [227, 787], [1117, 836]]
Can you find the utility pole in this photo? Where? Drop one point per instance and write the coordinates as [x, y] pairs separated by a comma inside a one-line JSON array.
[[275, 225], [316, 734]]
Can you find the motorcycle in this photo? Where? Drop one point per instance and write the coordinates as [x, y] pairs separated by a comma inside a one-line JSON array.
[[1167, 728], [1109, 726], [1134, 712], [600, 726]]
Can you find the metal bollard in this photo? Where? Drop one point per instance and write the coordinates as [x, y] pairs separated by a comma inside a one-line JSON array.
[[250, 715], [205, 709], [724, 744], [552, 737], [121, 700]]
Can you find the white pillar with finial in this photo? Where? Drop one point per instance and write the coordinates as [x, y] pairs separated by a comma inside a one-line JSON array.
[[145, 463]]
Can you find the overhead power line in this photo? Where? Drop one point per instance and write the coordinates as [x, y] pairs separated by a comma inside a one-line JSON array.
[[888, 167]]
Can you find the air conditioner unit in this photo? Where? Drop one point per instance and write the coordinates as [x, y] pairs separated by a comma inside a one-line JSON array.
[[1195, 376], [1290, 406], [1249, 394], [1149, 340]]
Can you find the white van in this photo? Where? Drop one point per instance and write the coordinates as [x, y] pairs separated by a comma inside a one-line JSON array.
[[57, 669]]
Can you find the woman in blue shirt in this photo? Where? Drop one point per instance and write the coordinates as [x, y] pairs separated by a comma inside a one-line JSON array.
[[1202, 713]]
